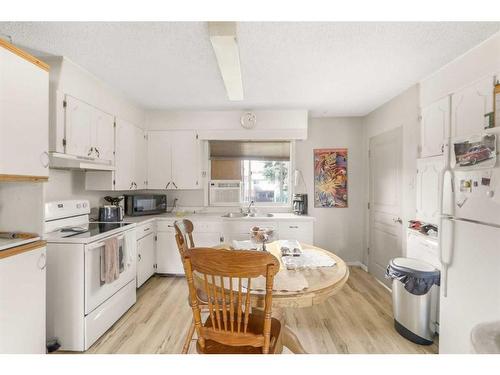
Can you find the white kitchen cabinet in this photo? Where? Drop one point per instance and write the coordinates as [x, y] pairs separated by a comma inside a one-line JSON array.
[[472, 108], [168, 259], [130, 162], [159, 160], [209, 239], [146, 258], [140, 164], [435, 127], [89, 131], [428, 193], [22, 302], [173, 160], [24, 115], [302, 231]]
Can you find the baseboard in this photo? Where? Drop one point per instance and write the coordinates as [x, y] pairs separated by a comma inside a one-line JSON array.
[[385, 286], [357, 263]]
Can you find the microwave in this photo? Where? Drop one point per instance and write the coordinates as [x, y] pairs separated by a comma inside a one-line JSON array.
[[138, 205], [225, 192]]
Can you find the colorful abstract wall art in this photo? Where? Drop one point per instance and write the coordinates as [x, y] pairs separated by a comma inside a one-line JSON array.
[[330, 177]]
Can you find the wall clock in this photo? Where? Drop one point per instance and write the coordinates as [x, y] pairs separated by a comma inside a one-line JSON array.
[[248, 120]]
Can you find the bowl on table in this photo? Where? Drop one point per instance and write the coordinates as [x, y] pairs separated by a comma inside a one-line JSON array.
[[261, 236]]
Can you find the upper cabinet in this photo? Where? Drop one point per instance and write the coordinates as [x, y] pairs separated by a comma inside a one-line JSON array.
[[173, 160], [89, 131], [435, 127], [130, 161], [24, 116], [472, 108]]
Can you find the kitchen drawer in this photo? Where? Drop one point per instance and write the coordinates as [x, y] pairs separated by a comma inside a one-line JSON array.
[[165, 225], [143, 230], [300, 231]]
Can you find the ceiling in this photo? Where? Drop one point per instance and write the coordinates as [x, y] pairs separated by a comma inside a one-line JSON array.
[[331, 69]]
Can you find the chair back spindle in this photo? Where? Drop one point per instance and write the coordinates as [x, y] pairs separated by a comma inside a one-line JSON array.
[[227, 281]]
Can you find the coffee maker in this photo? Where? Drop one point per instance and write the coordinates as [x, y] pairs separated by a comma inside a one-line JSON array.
[[300, 204]]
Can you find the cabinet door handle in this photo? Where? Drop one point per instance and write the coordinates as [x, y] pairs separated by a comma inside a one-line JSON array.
[[139, 257], [90, 151], [131, 186], [146, 229], [170, 225], [97, 152], [293, 226], [166, 187], [42, 261], [175, 185], [44, 159]]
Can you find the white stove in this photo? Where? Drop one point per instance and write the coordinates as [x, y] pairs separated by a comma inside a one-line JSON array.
[[80, 306]]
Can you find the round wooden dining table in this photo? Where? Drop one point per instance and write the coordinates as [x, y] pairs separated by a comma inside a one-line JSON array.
[[322, 283]]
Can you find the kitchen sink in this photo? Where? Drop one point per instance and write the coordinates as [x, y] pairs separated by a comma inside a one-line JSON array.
[[261, 215], [235, 215]]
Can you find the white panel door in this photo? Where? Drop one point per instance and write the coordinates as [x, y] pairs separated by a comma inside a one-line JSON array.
[[428, 188], [168, 259], [185, 160], [385, 201], [24, 116], [22, 303], [471, 107], [140, 167], [145, 258], [435, 127], [125, 155], [78, 120], [103, 135], [159, 160]]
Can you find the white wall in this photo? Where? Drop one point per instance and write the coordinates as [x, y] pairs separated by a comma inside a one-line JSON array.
[[340, 230], [21, 207], [402, 111]]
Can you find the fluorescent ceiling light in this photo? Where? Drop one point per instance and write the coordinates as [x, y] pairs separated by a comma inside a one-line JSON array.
[[225, 45]]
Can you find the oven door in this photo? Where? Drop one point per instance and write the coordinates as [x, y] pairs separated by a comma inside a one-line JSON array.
[[96, 292]]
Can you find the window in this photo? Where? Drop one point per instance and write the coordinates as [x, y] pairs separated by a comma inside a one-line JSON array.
[[265, 181], [263, 169]]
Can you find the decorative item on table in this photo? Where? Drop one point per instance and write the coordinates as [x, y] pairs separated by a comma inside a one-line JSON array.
[[290, 248], [260, 235], [310, 258], [330, 177]]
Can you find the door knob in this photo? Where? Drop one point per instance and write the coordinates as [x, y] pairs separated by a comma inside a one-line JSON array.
[[398, 220]]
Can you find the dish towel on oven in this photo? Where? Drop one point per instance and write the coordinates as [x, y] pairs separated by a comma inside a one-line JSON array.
[[110, 264], [130, 247]]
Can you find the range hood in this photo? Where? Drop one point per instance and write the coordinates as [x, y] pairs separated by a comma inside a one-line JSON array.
[[64, 161]]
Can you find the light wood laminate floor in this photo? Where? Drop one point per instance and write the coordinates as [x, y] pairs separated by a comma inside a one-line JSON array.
[[356, 320]]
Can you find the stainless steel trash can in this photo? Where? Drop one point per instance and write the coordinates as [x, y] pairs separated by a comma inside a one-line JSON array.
[[415, 290]]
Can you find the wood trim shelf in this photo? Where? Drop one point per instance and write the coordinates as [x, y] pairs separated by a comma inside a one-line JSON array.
[[22, 178], [22, 249], [25, 55]]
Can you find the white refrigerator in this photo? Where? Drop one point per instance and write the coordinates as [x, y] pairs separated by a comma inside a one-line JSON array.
[[469, 250]]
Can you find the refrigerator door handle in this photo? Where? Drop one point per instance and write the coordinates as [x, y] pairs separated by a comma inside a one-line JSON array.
[[446, 226]]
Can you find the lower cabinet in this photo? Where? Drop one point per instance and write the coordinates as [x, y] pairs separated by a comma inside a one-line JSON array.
[[146, 258], [302, 231], [22, 303], [168, 258]]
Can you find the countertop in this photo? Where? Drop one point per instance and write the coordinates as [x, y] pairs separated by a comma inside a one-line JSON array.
[[216, 216]]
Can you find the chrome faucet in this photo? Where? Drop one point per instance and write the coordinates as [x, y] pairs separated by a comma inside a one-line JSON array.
[[248, 211]]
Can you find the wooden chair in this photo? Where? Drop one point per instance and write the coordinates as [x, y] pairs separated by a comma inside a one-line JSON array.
[[184, 238], [230, 326]]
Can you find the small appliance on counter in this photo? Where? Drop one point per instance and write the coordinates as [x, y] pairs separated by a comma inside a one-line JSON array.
[[300, 204], [151, 204], [112, 212]]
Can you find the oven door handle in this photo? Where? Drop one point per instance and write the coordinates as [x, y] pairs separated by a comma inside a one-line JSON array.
[[93, 246]]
